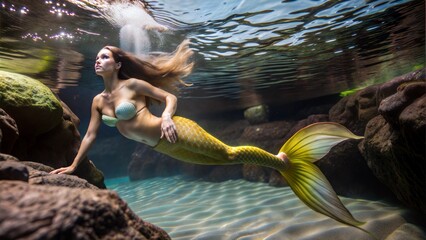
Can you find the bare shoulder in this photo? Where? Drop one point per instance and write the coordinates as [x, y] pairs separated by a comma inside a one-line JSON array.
[[97, 100], [134, 82]]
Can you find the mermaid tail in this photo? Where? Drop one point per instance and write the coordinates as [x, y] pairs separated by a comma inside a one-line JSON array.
[[195, 145], [305, 179], [309, 144]]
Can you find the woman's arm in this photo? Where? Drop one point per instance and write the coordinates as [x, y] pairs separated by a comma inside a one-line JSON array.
[[168, 128], [88, 140]]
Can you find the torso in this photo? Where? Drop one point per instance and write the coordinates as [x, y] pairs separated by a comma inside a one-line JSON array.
[[144, 127]]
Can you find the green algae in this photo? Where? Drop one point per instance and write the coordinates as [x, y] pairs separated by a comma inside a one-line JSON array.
[[31, 103]]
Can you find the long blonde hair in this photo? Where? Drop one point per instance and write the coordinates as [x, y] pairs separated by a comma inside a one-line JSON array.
[[164, 71]]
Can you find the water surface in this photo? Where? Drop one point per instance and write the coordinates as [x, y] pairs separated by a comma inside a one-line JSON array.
[[274, 52]]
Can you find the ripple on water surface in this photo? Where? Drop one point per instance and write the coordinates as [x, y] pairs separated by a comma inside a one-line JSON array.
[[238, 209]]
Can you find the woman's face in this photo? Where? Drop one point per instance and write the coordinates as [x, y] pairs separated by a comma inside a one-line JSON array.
[[105, 63]]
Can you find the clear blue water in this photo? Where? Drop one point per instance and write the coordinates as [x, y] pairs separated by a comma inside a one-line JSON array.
[[275, 53], [247, 53]]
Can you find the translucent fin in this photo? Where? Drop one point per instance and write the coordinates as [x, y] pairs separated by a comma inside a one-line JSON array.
[[315, 141], [306, 180], [311, 186]]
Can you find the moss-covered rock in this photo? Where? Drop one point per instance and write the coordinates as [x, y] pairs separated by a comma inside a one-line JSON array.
[[34, 107]]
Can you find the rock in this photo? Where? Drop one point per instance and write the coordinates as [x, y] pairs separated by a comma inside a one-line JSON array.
[[391, 107], [268, 136], [7, 157], [277, 180], [303, 123], [391, 116], [10, 170], [356, 110], [47, 127], [412, 121], [57, 148], [195, 170], [395, 152], [69, 115], [255, 173], [257, 114], [38, 177], [349, 174], [223, 173], [389, 88], [38, 166], [9, 132], [50, 212], [87, 170], [71, 181], [37, 173], [30, 103]]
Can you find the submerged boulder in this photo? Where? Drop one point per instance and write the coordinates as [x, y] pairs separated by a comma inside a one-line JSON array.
[[355, 111], [31, 104], [55, 148], [395, 141], [37, 126], [9, 132], [51, 212], [39, 205], [10, 170], [257, 114]]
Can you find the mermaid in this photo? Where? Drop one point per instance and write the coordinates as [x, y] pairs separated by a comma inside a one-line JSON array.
[[132, 83]]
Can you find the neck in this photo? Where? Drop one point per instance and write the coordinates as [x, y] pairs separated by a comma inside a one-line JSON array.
[[111, 83]]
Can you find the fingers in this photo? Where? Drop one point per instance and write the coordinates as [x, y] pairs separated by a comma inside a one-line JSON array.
[[170, 133], [63, 170], [168, 130], [57, 171]]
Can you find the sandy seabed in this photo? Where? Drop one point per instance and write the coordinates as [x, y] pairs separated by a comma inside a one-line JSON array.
[[238, 209]]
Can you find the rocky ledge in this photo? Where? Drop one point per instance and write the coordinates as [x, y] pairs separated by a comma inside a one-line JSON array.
[[39, 205]]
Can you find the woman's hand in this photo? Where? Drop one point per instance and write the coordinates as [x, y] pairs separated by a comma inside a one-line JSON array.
[[168, 128], [64, 170]]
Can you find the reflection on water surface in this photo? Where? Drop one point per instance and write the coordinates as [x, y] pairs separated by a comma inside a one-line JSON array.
[[246, 53]]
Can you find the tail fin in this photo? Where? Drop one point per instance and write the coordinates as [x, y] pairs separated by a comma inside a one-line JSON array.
[[306, 180]]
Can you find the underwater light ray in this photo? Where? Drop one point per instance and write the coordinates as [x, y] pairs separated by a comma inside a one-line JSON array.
[[133, 19]]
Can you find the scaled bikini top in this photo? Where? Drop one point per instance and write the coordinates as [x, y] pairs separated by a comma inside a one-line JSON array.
[[124, 111]]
